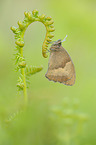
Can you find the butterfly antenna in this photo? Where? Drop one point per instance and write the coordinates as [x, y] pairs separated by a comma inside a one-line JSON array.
[[64, 39]]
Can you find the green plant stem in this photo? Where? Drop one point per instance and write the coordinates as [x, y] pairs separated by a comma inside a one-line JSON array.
[[24, 81]]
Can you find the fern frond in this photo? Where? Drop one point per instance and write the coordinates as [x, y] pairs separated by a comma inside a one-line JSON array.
[[32, 70]]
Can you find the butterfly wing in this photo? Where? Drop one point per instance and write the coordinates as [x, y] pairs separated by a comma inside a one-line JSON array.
[[61, 68]]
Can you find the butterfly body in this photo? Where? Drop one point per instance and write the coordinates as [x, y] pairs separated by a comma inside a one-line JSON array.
[[60, 67]]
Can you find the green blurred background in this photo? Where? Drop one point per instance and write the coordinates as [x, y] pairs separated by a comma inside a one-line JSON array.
[[75, 18]]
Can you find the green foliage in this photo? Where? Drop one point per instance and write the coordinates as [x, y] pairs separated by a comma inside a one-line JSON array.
[[32, 70], [70, 121], [19, 32], [41, 124], [30, 126], [31, 17]]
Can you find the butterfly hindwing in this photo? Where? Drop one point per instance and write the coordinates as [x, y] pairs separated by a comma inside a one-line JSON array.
[[64, 75]]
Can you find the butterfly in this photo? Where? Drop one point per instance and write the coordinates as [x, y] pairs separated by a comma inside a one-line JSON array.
[[60, 67]]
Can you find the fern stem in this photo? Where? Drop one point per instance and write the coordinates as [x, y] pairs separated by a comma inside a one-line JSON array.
[[24, 81], [24, 89]]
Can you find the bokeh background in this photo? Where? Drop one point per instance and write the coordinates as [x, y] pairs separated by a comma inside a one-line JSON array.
[[75, 18]]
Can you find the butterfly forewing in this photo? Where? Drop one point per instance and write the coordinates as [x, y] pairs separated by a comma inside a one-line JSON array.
[[61, 68]]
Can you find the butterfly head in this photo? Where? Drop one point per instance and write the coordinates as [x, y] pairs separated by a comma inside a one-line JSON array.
[[56, 45]]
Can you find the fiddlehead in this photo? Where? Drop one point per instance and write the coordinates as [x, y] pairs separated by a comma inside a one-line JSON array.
[[19, 32]]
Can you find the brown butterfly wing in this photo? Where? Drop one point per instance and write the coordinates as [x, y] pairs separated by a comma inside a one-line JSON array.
[[61, 68]]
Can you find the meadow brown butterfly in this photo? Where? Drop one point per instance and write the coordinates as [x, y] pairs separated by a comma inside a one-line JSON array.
[[60, 67]]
